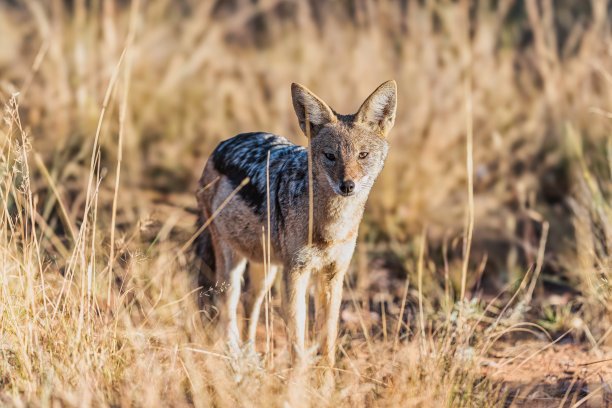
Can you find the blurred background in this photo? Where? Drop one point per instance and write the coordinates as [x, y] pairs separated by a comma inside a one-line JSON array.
[[533, 79]]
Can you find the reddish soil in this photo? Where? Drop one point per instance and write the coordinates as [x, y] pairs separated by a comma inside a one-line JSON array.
[[538, 374]]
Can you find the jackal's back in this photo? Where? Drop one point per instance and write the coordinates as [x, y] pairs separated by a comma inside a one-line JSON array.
[[246, 155]]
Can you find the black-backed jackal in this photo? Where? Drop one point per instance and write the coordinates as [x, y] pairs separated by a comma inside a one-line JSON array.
[[348, 153]]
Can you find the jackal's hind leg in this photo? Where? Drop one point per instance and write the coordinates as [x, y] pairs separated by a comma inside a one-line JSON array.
[[230, 268]]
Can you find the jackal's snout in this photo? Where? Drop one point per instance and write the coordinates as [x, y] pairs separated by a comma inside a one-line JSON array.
[[347, 187]]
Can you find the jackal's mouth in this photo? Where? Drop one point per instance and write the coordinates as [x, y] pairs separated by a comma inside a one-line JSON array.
[[339, 191]]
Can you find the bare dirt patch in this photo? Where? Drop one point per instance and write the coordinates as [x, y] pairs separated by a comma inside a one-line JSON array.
[[538, 374]]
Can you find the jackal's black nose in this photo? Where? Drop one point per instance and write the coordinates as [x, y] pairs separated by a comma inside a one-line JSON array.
[[347, 187]]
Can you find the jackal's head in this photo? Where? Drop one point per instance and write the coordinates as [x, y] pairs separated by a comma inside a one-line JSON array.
[[348, 151]]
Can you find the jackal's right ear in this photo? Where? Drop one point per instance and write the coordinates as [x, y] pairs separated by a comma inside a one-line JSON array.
[[305, 102]]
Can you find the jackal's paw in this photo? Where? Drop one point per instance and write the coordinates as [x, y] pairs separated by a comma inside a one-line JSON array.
[[244, 361]]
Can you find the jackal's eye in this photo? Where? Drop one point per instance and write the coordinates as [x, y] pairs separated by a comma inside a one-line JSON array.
[[330, 156], [363, 155]]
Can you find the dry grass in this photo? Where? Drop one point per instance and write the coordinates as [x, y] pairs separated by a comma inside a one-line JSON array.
[[112, 108]]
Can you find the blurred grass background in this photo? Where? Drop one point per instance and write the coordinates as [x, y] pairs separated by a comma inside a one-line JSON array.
[[185, 75]]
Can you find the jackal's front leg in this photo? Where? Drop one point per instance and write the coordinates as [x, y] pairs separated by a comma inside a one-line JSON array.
[[296, 286], [261, 282], [328, 300]]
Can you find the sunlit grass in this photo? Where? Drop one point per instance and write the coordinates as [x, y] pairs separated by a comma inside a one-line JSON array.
[[110, 114]]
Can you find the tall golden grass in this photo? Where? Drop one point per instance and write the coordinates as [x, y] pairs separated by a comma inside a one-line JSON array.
[[498, 182]]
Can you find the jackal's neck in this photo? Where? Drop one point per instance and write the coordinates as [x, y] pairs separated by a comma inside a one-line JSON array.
[[337, 218]]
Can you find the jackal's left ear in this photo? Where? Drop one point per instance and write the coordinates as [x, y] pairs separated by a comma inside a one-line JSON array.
[[307, 103], [378, 111]]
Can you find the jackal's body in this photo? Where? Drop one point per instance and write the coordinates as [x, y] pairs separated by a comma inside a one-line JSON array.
[[342, 179], [246, 156]]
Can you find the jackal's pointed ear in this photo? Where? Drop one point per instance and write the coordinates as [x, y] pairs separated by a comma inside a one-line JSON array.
[[378, 111], [305, 102]]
